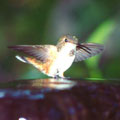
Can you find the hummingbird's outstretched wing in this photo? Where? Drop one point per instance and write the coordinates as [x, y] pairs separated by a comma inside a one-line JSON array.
[[86, 50], [40, 52]]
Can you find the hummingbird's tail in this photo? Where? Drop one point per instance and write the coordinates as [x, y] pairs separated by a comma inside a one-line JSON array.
[[22, 59], [31, 61]]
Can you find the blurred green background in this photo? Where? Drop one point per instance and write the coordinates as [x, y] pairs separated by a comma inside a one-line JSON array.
[[45, 21]]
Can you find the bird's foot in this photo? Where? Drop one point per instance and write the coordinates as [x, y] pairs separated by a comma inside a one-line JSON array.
[[57, 77], [60, 77]]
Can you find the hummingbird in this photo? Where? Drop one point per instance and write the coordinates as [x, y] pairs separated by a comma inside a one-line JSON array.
[[54, 60]]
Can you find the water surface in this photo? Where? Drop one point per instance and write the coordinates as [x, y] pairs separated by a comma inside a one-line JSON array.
[[60, 99]]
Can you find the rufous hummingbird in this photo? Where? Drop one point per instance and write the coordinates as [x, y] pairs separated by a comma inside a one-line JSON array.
[[54, 60]]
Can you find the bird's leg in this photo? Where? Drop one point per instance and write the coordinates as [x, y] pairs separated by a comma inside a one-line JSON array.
[[59, 75], [56, 77]]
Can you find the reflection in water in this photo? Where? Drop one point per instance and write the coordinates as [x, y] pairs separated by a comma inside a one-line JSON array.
[[34, 89], [52, 99], [49, 83], [59, 84]]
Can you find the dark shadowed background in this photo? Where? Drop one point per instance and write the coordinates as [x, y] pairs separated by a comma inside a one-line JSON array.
[[44, 21]]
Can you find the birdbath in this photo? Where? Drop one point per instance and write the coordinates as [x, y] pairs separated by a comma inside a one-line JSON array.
[[60, 99]]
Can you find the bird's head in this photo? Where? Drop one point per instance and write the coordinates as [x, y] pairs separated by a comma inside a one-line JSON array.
[[67, 39]]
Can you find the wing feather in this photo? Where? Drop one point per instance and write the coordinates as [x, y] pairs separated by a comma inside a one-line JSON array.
[[86, 50], [40, 52]]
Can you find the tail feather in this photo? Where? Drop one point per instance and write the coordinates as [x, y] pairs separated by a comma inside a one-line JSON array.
[[31, 61], [22, 59]]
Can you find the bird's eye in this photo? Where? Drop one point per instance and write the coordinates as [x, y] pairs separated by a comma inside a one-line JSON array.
[[66, 40]]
